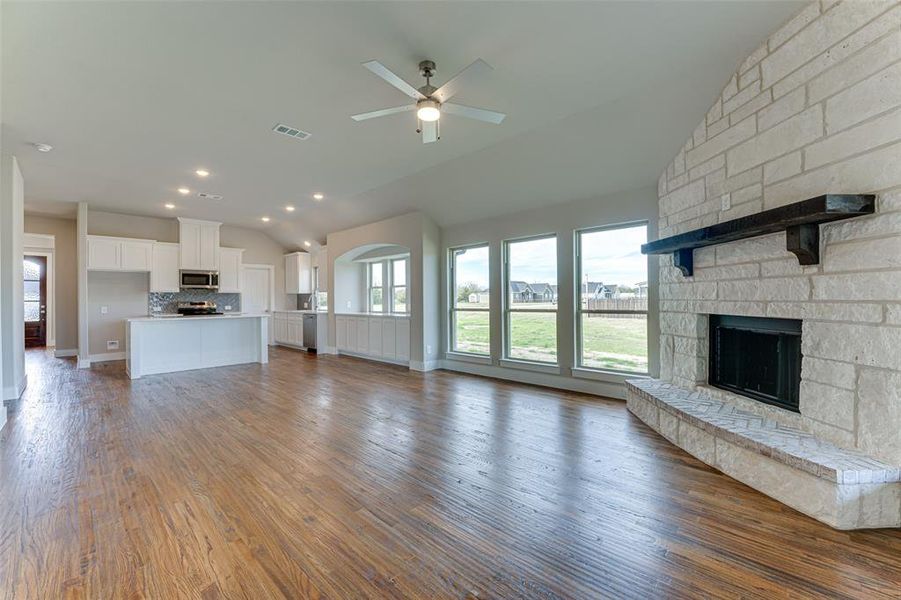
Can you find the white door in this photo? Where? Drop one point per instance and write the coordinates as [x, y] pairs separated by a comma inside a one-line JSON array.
[[256, 291]]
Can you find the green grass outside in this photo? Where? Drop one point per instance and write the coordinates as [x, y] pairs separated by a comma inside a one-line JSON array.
[[608, 343]]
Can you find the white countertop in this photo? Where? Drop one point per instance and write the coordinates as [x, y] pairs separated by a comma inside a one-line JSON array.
[[171, 317], [374, 314], [303, 312]]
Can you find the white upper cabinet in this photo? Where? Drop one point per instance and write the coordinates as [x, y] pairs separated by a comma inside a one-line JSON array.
[[230, 261], [164, 271], [199, 242], [119, 254], [298, 273]]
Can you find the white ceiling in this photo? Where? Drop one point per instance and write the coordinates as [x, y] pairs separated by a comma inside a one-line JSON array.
[[135, 96]]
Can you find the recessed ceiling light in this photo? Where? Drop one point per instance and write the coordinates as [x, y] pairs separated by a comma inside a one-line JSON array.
[[307, 244], [43, 147], [318, 196], [289, 208], [169, 205], [184, 191], [202, 173], [265, 219]]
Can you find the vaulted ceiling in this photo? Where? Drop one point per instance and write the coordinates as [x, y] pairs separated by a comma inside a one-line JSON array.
[[135, 96]]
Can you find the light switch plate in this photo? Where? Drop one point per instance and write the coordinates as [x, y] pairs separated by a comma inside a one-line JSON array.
[[112, 345], [726, 201], [104, 310]]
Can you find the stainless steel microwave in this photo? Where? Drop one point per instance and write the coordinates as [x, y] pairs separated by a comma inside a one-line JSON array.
[[199, 280]]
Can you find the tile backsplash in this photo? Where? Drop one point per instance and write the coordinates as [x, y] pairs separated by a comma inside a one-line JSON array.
[[167, 302]]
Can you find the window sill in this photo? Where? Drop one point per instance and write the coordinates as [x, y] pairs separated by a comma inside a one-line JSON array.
[[530, 366], [608, 376], [473, 358]]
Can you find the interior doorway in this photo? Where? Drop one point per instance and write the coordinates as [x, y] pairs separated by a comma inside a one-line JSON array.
[[34, 280], [258, 291]]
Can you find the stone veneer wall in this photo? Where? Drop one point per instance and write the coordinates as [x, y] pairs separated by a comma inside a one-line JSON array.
[[815, 109]]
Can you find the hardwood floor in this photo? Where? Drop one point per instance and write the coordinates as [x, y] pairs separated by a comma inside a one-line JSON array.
[[341, 478]]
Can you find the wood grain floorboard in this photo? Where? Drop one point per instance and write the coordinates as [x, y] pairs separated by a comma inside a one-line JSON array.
[[340, 478]]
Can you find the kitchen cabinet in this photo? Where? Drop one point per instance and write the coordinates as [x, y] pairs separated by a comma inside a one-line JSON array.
[[381, 337], [119, 254], [298, 273], [199, 244], [164, 268], [288, 328], [230, 261]]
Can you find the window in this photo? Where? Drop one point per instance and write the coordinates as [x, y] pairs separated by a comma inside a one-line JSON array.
[[376, 291], [399, 285], [530, 310], [612, 318], [470, 300]]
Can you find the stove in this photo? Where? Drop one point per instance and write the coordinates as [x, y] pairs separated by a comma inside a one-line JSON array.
[[198, 308]]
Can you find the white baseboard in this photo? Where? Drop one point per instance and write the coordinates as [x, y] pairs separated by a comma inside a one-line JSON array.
[[401, 363], [108, 356], [65, 353], [424, 366], [14, 392], [84, 363], [598, 388]]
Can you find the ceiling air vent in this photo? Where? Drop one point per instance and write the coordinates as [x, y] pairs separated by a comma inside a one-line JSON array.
[[291, 131], [206, 196]]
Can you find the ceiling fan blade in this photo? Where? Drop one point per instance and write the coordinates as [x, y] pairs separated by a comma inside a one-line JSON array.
[[479, 114], [470, 73], [382, 113], [389, 76], [429, 132]]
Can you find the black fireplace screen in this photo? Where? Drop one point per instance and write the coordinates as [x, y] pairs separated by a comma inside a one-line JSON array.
[[757, 357]]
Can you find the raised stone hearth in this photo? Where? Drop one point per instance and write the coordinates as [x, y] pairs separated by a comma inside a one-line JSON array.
[[843, 488]]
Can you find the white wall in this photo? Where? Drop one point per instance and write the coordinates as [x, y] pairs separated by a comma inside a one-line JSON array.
[[562, 220], [12, 216], [350, 287]]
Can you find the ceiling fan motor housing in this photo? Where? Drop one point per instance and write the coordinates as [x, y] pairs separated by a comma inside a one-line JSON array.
[[427, 68]]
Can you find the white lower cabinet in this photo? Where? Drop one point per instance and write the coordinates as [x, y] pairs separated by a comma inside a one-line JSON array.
[[381, 337], [287, 328]]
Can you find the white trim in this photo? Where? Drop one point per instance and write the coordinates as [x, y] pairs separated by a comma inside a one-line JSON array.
[[66, 353], [609, 376], [604, 389], [51, 287], [84, 363], [526, 365], [401, 363], [107, 356], [12, 392], [429, 365], [38, 241], [482, 359]]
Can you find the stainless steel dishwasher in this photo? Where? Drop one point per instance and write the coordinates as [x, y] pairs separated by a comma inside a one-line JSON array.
[[309, 332]]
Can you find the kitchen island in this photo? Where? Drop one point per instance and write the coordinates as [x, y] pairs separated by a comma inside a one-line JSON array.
[[165, 345]]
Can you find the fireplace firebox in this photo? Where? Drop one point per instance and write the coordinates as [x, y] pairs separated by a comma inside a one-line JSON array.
[[757, 357]]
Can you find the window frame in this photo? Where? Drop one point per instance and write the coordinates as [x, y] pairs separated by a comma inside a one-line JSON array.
[[452, 301], [393, 286], [578, 312], [370, 286], [507, 304]]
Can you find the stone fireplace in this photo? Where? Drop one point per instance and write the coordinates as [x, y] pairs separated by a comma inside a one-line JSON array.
[[816, 109]]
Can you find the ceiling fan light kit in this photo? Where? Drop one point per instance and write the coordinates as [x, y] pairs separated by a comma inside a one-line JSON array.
[[431, 102]]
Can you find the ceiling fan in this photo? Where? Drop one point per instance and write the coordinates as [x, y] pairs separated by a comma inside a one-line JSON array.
[[432, 102]]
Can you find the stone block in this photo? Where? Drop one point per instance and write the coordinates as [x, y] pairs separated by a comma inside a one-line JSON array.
[[740, 99], [829, 372], [876, 253], [668, 426], [716, 163], [697, 442], [818, 36], [688, 291], [880, 54], [828, 404], [793, 26], [875, 94], [767, 247], [642, 409], [782, 168], [754, 58], [872, 285], [683, 198], [789, 135], [769, 290], [780, 110], [877, 225], [879, 414], [861, 344], [872, 134], [683, 324], [749, 77], [736, 134], [826, 311], [740, 271]]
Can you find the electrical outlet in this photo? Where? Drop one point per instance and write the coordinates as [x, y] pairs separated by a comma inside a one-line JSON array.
[[726, 201], [156, 309], [112, 344], [104, 310], [428, 350], [348, 304], [228, 307]]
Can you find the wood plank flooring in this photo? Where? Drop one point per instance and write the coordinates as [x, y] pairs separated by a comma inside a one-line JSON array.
[[341, 478]]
